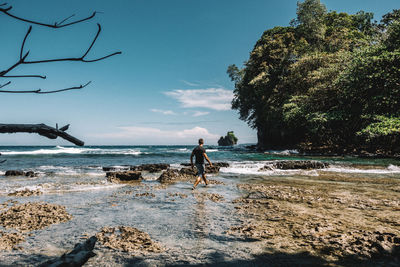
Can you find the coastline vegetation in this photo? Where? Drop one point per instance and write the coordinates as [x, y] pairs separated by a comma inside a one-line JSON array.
[[329, 82]]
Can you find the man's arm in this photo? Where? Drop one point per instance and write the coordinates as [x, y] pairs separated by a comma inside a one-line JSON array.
[[209, 162]]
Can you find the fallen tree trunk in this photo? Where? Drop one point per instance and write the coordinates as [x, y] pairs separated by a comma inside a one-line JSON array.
[[77, 257], [41, 129]]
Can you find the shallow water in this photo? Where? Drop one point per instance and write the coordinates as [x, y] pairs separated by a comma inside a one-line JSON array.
[[192, 230]]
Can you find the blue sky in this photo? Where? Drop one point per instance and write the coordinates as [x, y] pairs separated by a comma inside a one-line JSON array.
[[170, 84]]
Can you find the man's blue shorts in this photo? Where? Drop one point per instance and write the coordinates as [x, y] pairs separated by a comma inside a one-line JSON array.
[[200, 169]]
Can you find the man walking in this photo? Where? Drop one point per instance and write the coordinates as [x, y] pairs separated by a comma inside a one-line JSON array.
[[200, 153]]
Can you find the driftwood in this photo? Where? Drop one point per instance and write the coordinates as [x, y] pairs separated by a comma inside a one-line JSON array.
[[77, 257], [41, 129]]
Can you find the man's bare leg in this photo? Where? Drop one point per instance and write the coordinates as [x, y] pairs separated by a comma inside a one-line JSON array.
[[197, 182], [204, 179]]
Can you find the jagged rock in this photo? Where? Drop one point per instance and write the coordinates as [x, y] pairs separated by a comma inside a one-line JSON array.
[[20, 173], [168, 176], [295, 164], [150, 167], [14, 173], [26, 193], [172, 175], [213, 169], [124, 176], [221, 164], [33, 216], [30, 174], [116, 168], [128, 239], [9, 241]]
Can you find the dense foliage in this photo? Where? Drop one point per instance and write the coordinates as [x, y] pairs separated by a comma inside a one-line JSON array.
[[329, 80], [229, 140]]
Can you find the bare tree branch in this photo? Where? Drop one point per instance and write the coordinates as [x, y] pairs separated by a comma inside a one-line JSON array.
[[23, 76], [82, 58], [66, 89], [41, 129], [39, 91], [56, 25], [22, 60], [23, 42], [1, 86]]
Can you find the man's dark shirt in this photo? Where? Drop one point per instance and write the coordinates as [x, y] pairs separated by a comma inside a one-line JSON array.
[[199, 154]]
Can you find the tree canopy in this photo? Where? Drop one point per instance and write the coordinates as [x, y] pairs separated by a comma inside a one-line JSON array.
[[328, 80]]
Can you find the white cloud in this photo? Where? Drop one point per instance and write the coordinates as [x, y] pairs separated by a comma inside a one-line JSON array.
[[165, 112], [212, 98], [190, 83], [200, 113], [149, 135]]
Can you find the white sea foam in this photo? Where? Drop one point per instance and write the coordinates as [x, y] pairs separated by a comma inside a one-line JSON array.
[[345, 169], [75, 150], [212, 150], [254, 168], [282, 152]]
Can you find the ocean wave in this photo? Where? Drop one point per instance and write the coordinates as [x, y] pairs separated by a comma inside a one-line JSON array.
[[282, 152], [74, 151], [256, 168], [391, 169]]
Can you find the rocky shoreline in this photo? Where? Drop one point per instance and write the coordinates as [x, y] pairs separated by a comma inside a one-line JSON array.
[[337, 220]]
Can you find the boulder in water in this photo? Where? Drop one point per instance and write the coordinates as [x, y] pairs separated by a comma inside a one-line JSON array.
[[14, 173], [296, 164], [124, 176], [157, 167]]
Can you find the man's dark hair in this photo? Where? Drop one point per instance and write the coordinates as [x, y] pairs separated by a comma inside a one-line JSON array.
[[201, 141]]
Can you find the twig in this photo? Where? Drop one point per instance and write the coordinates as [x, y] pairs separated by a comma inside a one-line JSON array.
[[56, 25], [82, 58], [39, 91], [1, 86], [66, 89], [23, 42], [24, 76]]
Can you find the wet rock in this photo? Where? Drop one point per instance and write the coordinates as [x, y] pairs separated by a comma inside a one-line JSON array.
[[26, 193], [127, 239], [295, 164], [181, 195], [20, 173], [172, 175], [150, 167], [168, 176], [30, 174], [14, 173], [124, 176], [10, 241], [221, 164], [116, 168], [214, 197], [33, 216], [212, 169], [215, 182], [146, 194]]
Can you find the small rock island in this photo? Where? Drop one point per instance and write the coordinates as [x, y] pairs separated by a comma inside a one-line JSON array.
[[229, 140]]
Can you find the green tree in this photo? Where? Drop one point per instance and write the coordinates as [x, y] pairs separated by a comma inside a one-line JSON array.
[[326, 81]]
